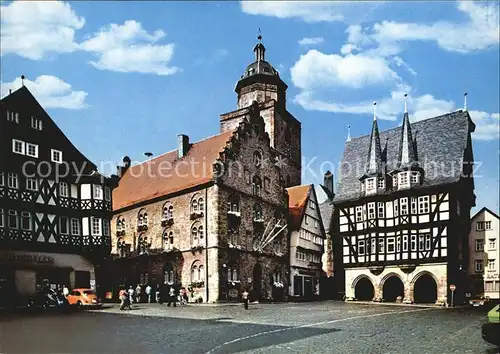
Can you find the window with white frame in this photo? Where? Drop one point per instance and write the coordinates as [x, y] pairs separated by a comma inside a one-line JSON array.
[[36, 123], [97, 191], [107, 193], [359, 213], [413, 242], [32, 150], [478, 265], [63, 189], [2, 218], [2, 179], [31, 184], [396, 208], [142, 218], [491, 265], [479, 245], [370, 184], [75, 227], [96, 226], [12, 180], [361, 247], [492, 244], [423, 204], [26, 221], [13, 219], [403, 180], [391, 245], [421, 242], [232, 273], [311, 204], [479, 225], [56, 156], [487, 225], [413, 205], [105, 227], [405, 243], [398, 244], [381, 183], [168, 212], [306, 219], [404, 206], [381, 210], [13, 116], [168, 240], [381, 245], [371, 211], [415, 178], [18, 146], [64, 225], [373, 246], [428, 241]]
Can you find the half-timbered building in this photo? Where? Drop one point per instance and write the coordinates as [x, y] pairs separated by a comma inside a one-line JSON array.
[[402, 210], [55, 207], [211, 215], [307, 239]]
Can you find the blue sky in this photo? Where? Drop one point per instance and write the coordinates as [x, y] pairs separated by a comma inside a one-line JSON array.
[[123, 78]]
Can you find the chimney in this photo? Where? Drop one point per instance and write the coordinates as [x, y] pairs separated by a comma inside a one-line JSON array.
[[120, 170], [328, 184], [182, 145]]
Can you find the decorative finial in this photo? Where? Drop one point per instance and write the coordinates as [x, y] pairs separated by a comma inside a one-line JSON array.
[[406, 107], [465, 101], [22, 79], [374, 110], [348, 133], [259, 37]]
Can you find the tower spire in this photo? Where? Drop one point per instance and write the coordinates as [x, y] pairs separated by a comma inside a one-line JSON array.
[[406, 106], [374, 110], [465, 101], [348, 133], [259, 49], [375, 151]]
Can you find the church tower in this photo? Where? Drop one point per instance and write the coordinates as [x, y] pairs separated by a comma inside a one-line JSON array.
[[261, 82]]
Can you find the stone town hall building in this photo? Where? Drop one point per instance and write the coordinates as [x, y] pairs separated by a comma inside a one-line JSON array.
[[212, 214], [402, 210]]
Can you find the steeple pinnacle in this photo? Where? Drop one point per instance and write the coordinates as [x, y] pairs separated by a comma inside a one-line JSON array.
[[348, 133], [407, 151], [259, 49], [374, 110], [375, 152], [465, 101], [406, 106]]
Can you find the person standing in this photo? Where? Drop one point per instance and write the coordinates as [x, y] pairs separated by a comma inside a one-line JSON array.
[[65, 291], [131, 294], [158, 295], [138, 291], [245, 299], [148, 293], [123, 298], [171, 297]]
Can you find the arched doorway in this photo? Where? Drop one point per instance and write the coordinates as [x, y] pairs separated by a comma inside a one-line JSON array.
[[425, 290], [257, 282], [393, 287], [363, 290]]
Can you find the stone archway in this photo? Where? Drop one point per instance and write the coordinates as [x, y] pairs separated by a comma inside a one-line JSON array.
[[392, 288], [425, 289], [364, 290]]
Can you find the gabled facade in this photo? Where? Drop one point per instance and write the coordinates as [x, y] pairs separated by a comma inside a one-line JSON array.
[[55, 207], [307, 238], [212, 215], [484, 254], [402, 210]]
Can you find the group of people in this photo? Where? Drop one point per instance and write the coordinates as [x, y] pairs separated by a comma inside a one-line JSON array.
[[166, 293]]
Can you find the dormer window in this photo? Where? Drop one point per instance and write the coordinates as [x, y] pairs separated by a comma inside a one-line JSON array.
[[415, 178], [371, 185], [404, 181], [36, 123], [381, 183]]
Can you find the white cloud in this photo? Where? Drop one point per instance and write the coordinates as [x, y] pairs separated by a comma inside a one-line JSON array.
[[311, 40], [480, 32], [402, 64], [312, 11], [130, 48], [315, 69], [33, 29], [487, 125], [50, 91]]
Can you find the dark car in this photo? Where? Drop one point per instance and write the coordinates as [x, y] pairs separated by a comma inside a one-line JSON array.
[[491, 329]]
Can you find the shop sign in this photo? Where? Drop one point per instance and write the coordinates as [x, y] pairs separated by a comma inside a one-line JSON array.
[[233, 293], [26, 258]]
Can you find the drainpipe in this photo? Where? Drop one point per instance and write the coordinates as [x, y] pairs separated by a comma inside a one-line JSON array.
[[206, 244]]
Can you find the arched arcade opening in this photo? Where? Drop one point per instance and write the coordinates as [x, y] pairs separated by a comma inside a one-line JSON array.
[[363, 290], [425, 290], [392, 288]]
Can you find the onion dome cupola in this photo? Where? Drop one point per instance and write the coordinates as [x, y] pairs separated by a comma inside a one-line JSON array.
[[261, 81]]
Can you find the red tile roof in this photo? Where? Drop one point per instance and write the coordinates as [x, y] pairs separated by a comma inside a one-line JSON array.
[[297, 201], [167, 174]]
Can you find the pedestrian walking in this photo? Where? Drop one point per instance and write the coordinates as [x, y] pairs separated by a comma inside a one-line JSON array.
[[245, 299], [148, 293], [172, 297], [131, 293], [158, 295], [65, 291], [138, 293], [124, 302], [185, 296]]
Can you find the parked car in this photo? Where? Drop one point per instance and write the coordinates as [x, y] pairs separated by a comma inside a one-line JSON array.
[[48, 299], [491, 329], [84, 298], [478, 301]]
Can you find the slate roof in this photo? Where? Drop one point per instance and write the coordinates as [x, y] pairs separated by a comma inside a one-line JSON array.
[[326, 211], [297, 201], [440, 143], [138, 185]]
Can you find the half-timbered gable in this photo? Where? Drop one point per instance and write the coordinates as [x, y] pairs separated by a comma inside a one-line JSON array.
[[54, 199], [403, 204]]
